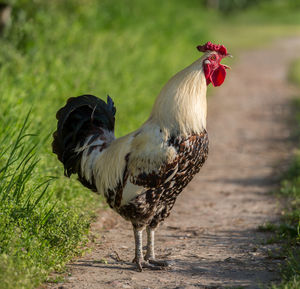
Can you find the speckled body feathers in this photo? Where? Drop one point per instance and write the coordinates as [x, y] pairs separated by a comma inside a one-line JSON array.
[[161, 190]]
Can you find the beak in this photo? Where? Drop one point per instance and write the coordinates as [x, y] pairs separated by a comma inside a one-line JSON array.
[[226, 66]]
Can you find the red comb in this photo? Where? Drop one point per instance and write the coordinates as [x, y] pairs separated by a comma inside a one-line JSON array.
[[213, 47]]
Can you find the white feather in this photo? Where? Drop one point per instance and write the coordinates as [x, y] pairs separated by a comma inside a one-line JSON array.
[[88, 159], [181, 106], [130, 191]]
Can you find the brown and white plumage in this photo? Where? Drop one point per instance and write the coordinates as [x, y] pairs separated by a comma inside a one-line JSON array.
[[142, 173]]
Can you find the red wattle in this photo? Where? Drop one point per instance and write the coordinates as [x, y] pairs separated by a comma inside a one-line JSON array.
[[218, 76], [207, 73]]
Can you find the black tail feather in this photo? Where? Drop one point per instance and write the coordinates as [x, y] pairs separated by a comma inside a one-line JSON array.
[[81, 117]]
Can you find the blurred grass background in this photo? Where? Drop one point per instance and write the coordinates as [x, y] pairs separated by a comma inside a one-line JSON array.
[[52, 50]]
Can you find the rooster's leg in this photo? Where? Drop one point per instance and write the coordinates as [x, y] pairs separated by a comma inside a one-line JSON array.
[[150, 255], [138, 238], [139, 258], [150, 244]]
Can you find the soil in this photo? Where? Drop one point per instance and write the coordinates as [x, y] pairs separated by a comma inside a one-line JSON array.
[[212, 234]]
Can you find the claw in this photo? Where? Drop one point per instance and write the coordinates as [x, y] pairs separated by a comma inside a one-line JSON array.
[[139, 266], [161, 263]]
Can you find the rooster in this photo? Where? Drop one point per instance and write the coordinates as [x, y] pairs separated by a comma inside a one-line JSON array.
[[141, 174]]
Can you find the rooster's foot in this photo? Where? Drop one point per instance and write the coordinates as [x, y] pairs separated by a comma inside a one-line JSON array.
[[149, 264], [160, 263]]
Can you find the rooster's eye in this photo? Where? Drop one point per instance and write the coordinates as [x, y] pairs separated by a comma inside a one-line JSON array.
[[213, 57]]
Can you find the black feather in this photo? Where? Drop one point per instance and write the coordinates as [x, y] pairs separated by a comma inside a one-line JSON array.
[[81, 117], [111, 105]]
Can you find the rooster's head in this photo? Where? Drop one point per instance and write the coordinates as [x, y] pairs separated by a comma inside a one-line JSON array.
[[214, 71]]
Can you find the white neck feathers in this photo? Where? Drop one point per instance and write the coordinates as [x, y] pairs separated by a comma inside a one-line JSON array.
[[181, 107]]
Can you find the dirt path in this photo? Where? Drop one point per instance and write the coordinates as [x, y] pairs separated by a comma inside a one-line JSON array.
[[212, 231]]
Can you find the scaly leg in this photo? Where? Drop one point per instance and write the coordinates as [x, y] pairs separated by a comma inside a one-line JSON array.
[[138, 238], [139, 258], [150, 255], [150, 244]]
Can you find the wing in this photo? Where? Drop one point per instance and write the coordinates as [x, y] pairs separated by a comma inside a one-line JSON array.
[[133, 164], [155, 178], [152, 160], [141, 174]]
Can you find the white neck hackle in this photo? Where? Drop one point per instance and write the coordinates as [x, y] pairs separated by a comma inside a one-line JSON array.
[[181, 106]]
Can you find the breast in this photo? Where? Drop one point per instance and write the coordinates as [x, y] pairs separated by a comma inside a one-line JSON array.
[[192, 153]]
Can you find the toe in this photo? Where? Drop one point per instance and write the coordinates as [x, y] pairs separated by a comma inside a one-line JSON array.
[[161, 263], [139, 263], [139, 267]]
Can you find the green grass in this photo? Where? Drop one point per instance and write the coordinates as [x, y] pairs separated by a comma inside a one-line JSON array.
[[38, 233], [288, 231], [57, 49]]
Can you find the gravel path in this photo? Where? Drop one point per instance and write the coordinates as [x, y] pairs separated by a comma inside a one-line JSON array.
[[212, 232]]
